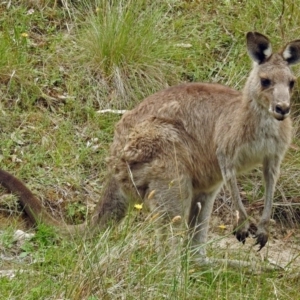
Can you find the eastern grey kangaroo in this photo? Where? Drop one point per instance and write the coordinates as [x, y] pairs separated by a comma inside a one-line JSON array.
[[196, 136]]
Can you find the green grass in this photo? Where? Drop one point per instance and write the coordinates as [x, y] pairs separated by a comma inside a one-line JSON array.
[[129, 46], [60, 64], [123, 264]]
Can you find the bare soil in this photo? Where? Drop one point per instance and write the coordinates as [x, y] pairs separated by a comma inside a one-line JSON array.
[[283, 247]]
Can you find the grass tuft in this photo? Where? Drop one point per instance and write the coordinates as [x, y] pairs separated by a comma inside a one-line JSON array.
[[127, 44]]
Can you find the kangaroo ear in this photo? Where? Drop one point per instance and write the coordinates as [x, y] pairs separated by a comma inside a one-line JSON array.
[[258, 46], [291, 52]]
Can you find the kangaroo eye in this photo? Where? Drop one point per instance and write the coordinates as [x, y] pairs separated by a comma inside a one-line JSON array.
[[292, 83], [265, 82]]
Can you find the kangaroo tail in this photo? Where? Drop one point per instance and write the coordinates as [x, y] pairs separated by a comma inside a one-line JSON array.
[[112, 206], [29, 202]]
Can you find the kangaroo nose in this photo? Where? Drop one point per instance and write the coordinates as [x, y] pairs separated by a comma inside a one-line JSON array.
[[282, 109]]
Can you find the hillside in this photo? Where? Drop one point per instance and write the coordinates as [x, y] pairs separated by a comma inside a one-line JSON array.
[[61, 63]]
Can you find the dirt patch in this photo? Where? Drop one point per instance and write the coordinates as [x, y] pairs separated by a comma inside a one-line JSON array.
[[280, 252], [19, 221], [282, 249]]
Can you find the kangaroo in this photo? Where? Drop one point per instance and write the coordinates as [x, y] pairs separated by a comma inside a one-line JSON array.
[[178, 147]]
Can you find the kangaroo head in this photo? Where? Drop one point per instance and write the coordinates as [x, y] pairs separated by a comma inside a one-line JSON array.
[[271, 81]]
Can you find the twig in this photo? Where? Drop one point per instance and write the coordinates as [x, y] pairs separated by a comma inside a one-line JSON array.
[[281, 19], [132, 180], [114, 111]]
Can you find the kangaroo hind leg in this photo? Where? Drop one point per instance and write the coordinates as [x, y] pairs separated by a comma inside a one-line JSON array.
[[169, 200], [200, 213]]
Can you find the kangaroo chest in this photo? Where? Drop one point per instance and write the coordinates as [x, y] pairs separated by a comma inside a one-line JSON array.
[[266, 141]]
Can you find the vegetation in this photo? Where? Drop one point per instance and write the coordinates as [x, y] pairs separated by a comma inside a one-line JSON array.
[[63, 61]]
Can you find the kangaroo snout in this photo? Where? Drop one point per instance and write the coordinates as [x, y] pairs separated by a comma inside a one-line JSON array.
[[281, 110]]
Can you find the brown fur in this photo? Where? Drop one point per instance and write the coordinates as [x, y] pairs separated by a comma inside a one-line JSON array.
[[185, 142]]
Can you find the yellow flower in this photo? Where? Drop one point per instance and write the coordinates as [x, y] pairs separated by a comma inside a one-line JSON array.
[[97, 9], [138, 206], [24, 34], [222, 226]]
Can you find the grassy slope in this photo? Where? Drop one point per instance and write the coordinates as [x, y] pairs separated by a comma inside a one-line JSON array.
[[55, 74]]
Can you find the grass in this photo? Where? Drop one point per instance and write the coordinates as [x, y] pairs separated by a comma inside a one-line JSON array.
[[125, 265], [60, 62]]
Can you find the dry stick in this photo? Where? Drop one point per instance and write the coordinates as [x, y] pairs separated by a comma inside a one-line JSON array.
[[281, 19]]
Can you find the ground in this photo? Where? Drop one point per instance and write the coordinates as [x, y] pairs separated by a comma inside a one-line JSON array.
[[282, 250]]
